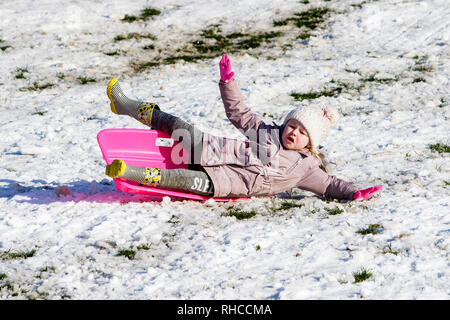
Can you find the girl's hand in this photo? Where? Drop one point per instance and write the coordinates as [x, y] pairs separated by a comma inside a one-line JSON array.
[[225, 69], [366, 193]]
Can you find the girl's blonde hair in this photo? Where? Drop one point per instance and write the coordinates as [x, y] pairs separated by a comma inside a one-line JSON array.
[[320, 156]]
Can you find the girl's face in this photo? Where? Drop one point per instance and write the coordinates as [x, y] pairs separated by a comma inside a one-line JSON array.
[[295, 136]]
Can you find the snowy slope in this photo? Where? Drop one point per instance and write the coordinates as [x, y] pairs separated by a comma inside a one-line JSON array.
[[389, 57]]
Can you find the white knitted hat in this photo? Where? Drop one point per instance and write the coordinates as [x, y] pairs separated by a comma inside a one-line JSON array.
[[316, 121]]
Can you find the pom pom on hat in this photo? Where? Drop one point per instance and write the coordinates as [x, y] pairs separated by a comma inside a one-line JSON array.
[[318, 122]]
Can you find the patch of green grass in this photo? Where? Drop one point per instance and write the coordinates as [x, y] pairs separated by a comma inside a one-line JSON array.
[[3, 48], [240, 214], [10, 255], [84, 80], [371, 229], [308, 20], [20, 73], [311, 18], [39, 113], [145, 15], [304, 36], [372, 78], [141, 66], [334, 211], [389, 249], [213, 32], [149, 12], [422, 68], [7, 285], [45, 269], [129, 18], [439, 148], [134, 35], [210, 44], [37, 87], [113, 53], [48, 269], [266, 114], [143, 247], [174, 219], [3, 276], [314, 95], [149, 47], [203, 48], [186, 58], [255, 41], [337, 87], [215, 42], [280, 23], [212, 41], [120, 38], [421, 65], [128, 253], [419, 79], [360, 5], [362, 275], [287, 205]]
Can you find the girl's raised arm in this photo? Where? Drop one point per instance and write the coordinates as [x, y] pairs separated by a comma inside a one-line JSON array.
[[240, 115]]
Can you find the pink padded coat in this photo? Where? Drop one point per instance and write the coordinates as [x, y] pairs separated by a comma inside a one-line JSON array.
[[261, 166]]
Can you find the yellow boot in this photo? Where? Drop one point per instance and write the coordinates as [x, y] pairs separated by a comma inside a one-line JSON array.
[[121, 104], [116, 169], [144, 175]]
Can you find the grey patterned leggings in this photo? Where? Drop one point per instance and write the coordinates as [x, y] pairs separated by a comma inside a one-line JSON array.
[[191, 139]]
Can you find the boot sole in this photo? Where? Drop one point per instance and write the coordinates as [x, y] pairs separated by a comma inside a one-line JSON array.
[[108, 92], [116, 168]]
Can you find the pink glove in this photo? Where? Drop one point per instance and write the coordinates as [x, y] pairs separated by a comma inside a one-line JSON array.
[[225, 69], [366, 193]]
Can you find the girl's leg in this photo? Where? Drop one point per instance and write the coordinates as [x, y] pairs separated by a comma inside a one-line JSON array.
[[193, 181], [189, 137], [121, 104]]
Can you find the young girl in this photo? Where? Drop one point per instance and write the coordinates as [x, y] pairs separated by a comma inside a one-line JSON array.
[[275, 158]]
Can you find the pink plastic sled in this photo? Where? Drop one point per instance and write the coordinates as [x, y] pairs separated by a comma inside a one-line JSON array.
[[144, 148]]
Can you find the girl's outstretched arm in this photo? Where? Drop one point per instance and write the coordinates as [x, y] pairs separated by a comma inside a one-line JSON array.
[[321, 183], [239, 114], [325, 185]]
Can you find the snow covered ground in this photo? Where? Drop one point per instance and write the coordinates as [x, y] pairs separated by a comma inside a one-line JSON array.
[[389, 60]]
